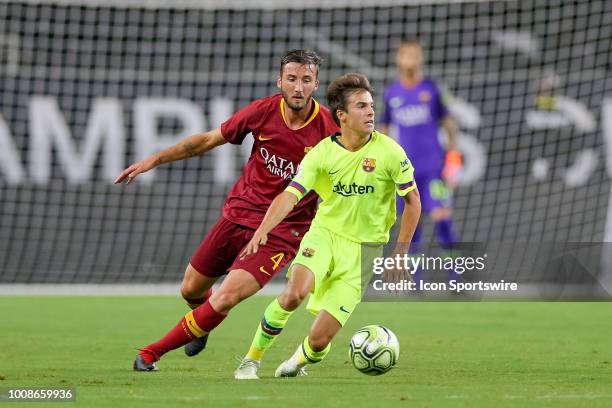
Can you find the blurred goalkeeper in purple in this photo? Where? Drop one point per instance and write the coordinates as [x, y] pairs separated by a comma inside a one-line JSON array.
[[416, 107]]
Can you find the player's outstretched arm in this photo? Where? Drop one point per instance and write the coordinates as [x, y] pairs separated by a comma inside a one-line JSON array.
[[193, 145], [280, 207]]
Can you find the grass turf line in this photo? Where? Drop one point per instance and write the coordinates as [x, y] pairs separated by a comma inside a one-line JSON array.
[[452, 354]]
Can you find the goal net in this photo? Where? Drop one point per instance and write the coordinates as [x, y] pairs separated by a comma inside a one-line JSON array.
[[89, 87]]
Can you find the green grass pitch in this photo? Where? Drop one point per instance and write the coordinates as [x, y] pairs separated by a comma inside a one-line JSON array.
[[485, 354]]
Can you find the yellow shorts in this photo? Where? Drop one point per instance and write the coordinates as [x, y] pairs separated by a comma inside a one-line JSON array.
[[336, 263]]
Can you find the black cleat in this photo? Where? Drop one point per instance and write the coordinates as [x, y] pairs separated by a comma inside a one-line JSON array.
[[141, 365], [195, 347]]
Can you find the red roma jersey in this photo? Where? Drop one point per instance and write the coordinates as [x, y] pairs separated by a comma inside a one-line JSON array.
[[277, 152]]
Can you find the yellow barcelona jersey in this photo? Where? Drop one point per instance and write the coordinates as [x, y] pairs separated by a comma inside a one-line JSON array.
[[358, 188]]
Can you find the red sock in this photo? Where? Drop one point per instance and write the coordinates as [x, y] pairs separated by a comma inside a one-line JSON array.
[[207, 317], [195, 324]]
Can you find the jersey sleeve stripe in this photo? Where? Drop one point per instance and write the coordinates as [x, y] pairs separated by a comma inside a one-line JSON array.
[[298, 187], [295, 192], [408, 185]]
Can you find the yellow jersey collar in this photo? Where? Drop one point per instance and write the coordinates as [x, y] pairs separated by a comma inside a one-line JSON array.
[[315, 112]]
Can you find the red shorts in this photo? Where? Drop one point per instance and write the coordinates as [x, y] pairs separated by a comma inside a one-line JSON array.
[[219, 251]]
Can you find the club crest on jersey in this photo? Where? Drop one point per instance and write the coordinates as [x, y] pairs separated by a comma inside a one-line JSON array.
[[369, 165], [424, 96], [308, 252]]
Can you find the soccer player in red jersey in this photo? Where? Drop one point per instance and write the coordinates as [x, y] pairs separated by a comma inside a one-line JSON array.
[[285, 126]]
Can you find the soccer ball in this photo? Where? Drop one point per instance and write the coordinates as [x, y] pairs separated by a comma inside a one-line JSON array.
[[374, 350]]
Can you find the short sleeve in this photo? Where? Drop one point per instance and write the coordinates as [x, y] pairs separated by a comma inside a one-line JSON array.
[[402, 172], [307, 174], [243, 122]]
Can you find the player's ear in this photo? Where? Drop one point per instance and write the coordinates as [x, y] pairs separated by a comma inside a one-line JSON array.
[[278, 82], [341, 115], [316, 85]]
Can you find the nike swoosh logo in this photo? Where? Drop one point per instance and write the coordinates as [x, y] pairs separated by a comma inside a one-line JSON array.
[[263, 139], [261, 268], [334, 172], [405, 170], [342, 309]]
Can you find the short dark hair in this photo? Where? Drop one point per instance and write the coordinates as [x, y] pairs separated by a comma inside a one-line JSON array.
[[410, 40], [342, 88], [304, 57]]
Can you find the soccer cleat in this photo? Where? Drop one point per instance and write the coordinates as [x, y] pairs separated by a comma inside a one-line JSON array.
[[247, 370], [195, 347], [290, 369], [141, 365]]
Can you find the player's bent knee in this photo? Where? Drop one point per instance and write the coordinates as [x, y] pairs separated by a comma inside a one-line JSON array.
[[189, 290], [186, 292], [291, 299], [195, 284]]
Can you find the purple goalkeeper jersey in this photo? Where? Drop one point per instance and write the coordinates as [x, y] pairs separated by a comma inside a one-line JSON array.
[[416, 112]]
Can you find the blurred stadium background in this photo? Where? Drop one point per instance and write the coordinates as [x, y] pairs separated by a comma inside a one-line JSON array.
[[90, 86]]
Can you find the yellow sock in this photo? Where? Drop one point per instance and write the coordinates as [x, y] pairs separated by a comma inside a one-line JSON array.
[[306, 355], [271, 325]]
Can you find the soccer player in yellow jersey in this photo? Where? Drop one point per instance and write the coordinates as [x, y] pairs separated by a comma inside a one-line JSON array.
[[357, 174]]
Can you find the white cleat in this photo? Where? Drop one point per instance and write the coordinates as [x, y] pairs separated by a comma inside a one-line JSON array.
[[247, 370], [289, 369]]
